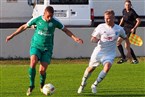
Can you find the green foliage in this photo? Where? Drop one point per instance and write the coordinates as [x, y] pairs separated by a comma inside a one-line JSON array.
[[123, 80]]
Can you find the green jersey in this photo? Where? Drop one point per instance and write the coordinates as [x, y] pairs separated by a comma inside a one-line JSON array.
[[44, 32]]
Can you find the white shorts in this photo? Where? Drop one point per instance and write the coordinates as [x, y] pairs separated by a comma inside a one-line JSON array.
[[98, 57]]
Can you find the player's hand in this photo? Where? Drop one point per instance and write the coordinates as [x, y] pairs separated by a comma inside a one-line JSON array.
[[9, 38], [132, 30], [94, 39], [78, 40]]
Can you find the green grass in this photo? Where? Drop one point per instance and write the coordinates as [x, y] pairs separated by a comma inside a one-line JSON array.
[[125, 80]]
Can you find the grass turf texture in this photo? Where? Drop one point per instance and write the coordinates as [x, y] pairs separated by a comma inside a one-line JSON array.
[[123, 80]]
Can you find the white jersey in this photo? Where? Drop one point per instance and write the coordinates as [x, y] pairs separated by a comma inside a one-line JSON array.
[[108, 37], [106, 47]]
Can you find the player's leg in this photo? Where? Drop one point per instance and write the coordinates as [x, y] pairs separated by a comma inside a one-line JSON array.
[[32, 73], [102, 74], [134, 61], [92, 65], [44, 62], [42, 71], [35, 55], [120, 48], [86, 75]]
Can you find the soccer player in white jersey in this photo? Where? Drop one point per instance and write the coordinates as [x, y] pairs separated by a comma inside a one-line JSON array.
[[105, 35]]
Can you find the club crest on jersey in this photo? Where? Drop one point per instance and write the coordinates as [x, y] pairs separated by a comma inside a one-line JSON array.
[[116, 33], [50, 24], [108, 38]]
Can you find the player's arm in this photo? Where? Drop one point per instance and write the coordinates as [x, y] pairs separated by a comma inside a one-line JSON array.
[[121, 21], [138, 21], [94, 39], [70, 34], [18, 31]]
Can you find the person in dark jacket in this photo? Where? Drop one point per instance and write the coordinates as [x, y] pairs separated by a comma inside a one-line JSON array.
[[130, 21]]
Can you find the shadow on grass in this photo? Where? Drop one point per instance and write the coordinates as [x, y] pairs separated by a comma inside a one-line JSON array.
[[114, 95], [88, 94]]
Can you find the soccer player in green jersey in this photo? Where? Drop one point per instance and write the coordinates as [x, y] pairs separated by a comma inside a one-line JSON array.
[[42, 43]]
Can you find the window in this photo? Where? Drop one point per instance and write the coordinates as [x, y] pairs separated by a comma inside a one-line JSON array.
[[12, 0], [33, 2], [40, 1], [69, 2]]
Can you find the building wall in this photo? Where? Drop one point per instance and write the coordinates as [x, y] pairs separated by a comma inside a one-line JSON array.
[[15, 11], [64, 46], [117, 5]]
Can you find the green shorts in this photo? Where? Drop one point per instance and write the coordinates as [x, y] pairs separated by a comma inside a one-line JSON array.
[[43, 55]]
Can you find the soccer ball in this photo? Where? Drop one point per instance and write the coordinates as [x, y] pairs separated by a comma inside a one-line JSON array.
[[48, 89]]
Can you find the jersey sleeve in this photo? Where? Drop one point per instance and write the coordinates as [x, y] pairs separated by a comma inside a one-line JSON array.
[[135, 15], [96, 32], [59, 25], [32, 22]]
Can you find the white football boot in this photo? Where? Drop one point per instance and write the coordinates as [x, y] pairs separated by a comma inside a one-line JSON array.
[[94, 90], [81, 88]]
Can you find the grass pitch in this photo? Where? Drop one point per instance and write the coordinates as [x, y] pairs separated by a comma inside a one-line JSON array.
[[124, 80]]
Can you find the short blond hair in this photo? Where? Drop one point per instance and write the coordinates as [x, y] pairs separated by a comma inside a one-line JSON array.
[[109, 12]]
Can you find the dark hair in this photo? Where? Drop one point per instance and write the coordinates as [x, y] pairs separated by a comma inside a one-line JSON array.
[[128, 2], [49, 9]]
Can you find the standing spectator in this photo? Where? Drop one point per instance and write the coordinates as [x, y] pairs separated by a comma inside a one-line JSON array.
[[130, 21]]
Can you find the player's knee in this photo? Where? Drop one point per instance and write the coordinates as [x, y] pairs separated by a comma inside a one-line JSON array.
[[107, 67], [91, 69], [42, 72], [33, 63], [34, 59], [118, 43]]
